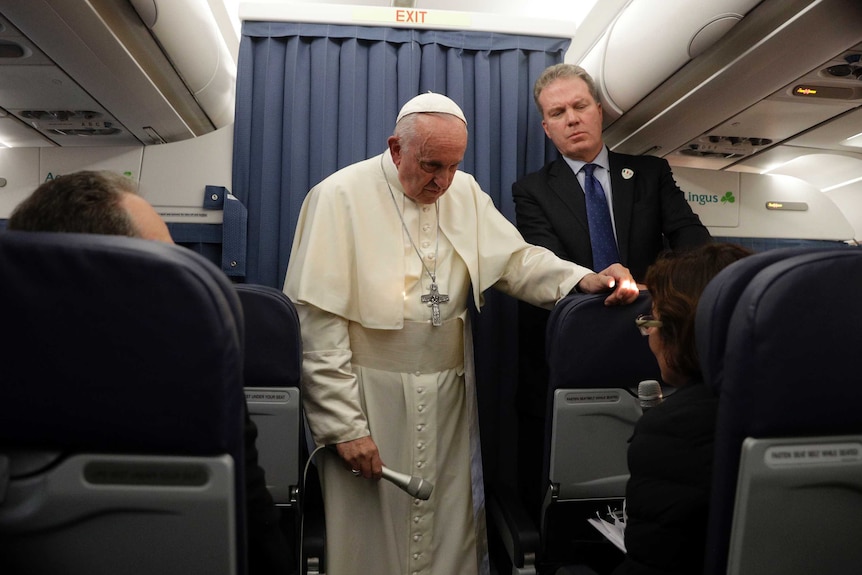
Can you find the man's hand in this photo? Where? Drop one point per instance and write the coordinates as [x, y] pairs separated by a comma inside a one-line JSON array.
[[361, 455], [615, 277]]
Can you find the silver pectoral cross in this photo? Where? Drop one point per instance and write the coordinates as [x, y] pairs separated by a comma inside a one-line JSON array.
[[434, 299]]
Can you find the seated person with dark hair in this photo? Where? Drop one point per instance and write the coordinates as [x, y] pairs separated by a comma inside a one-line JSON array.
[[671, 450], [107, 203]]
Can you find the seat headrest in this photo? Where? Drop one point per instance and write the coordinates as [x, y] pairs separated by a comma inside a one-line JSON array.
[[593, 345], [791, 362], [273, 349], [115, 343], [783, 339], [718, 302]]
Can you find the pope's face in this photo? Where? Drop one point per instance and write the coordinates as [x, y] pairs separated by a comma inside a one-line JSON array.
[[572, 118], [427, 164]]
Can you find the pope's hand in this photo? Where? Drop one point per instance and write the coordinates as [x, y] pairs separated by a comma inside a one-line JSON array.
[[615, 278], [361, 455]]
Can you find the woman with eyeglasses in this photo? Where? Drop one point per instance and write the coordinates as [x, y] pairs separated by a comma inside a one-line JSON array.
[[670, 455]]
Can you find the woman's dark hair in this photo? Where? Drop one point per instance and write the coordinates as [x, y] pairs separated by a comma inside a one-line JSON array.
[[676, 281]]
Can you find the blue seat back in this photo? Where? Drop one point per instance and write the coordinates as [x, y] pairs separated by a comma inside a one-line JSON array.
[[594, 346], [591, 345], [717, 303], [273, 344], [115, 345], [788, 369], [596, 358], [273, 366]]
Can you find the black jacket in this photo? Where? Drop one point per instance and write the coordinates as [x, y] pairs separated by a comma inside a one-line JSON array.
[[667, 496], [649, 209], [650, 213]]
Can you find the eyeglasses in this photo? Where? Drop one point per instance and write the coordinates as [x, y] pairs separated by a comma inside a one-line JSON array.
[[645, 322]]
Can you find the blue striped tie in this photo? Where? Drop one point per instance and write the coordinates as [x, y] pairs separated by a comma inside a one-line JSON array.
[[599, 218]]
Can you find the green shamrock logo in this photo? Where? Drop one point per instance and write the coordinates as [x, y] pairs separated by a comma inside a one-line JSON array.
[[728, 198]]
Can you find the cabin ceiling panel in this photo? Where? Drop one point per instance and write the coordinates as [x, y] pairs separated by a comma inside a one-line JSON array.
[[757, 59], [809, 167], [98, 59], [834, 135], [765, 124]]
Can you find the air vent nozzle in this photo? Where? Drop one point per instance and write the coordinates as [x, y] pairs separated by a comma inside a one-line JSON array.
[[851, 69]]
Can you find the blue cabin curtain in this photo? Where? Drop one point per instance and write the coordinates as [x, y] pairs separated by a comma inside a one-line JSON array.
[[314, 98]]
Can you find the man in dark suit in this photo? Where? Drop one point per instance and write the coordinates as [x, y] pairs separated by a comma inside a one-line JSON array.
[[648, 212], [647, 207]]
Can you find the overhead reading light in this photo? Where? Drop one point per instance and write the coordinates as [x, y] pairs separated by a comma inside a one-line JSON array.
[[840, 70]]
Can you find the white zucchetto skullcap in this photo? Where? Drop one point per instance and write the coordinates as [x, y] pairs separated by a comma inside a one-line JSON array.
[[431, 102]]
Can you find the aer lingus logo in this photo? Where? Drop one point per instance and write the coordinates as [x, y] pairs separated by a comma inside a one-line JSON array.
[[728, 198]]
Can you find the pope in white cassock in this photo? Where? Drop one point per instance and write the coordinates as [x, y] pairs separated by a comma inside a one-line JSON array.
[[384, 256]]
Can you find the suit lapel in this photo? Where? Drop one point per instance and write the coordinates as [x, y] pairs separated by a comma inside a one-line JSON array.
[[623, 191], [568, 191]]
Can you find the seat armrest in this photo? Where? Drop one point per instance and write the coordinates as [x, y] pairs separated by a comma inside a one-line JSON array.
[[313, 541], [518, 532], [313, 546]]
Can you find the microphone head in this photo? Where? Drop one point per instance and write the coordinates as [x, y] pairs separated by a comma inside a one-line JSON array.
[[420, 489], [649, 389], [414, 486]]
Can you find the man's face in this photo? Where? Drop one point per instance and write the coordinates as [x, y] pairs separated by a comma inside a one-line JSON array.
[[427, 165], [572, 119]]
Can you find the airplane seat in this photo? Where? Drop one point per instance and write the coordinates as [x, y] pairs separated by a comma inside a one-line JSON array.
[[272, 371], [596, 358], [121, 409], [717, 302], [273, 363], [787, 480]]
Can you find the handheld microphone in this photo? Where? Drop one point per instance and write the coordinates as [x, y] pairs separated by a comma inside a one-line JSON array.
[[412, 485], [649, 393], [415, 486]]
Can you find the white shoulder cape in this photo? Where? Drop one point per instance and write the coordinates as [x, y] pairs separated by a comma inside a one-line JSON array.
[[347, 255]]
